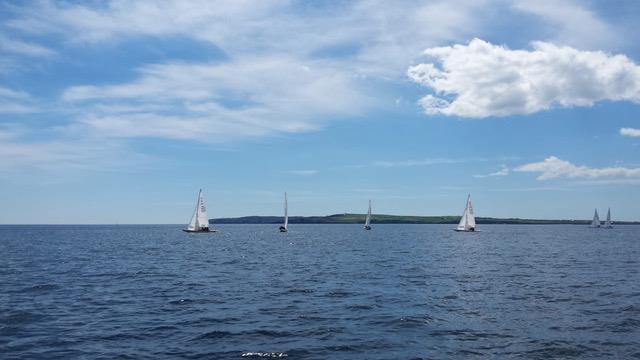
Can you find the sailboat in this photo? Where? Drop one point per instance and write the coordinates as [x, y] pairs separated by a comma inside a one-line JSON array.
[[285, 226], [367, 221], [595, 223], [468, 220], [199, 221], [607, 223]]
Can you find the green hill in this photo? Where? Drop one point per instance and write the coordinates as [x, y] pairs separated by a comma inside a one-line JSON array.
[[393, 219]]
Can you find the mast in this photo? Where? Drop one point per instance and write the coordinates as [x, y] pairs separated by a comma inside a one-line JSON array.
[[367, 221]]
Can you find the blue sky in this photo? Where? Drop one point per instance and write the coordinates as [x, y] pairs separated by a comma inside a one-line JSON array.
[[119, 111]]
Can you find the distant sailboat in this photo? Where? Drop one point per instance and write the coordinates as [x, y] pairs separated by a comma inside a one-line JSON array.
[[285, 226], [367, 221], [607, 223], [468, 220], [199, 221], [595, 223]]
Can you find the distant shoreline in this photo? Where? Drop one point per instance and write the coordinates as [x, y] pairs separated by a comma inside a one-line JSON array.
[[398, 219]]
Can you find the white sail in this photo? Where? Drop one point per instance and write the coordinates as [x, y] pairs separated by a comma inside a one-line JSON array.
[[596, 219], [607, 222], [367, 221], [286, 212], [199, 220], [468, 220]]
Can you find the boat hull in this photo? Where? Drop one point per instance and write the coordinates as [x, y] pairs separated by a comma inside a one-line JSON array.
[[198, 231], [367, 227]]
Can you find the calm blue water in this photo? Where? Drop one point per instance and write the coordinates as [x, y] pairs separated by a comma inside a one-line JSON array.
[[319, 292]]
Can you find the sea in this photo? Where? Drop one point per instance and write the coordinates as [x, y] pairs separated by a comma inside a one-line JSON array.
[[319, 292]]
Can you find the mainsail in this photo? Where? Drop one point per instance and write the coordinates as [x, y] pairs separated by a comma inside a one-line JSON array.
[[286, 215], [596, 219], [607, 223], [199, 220], [468, 220], [367, 221]]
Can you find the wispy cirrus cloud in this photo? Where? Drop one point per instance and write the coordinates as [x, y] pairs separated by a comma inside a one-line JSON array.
[[219, 101], [481, 79], [65, 155], [304, 172], [381, 38], [630, 132], [555, 168], [411, 163], [504, 171], [573, 22], [16, 101], [19, 47]]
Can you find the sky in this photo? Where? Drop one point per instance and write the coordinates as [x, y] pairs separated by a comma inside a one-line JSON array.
[[119, 111]]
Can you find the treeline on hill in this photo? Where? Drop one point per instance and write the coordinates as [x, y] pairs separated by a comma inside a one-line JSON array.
[[391, 219]]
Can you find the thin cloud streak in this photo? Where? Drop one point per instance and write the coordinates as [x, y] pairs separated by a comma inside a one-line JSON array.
[[502, 172], [304, 172], [555, 168], [411, 163]]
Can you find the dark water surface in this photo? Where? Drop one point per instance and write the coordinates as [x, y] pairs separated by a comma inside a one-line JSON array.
[[319, 292]]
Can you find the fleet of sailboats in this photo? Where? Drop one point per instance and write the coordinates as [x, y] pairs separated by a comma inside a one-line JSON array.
[[468, 219], [595, 223], [367, 221], [285, 227], [199, 221]]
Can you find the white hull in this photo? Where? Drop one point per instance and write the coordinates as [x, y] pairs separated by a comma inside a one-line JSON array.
[[199, 231]]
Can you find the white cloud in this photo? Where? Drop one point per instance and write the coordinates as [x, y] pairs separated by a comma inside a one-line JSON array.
[[303, 172], [410, 163], [572, 23], [381, 37], [15, 102], [630, 132], [502, 172], [219, 101], [481, 79], [13, 94], [65, 155], [554, 168], [19, 47]]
